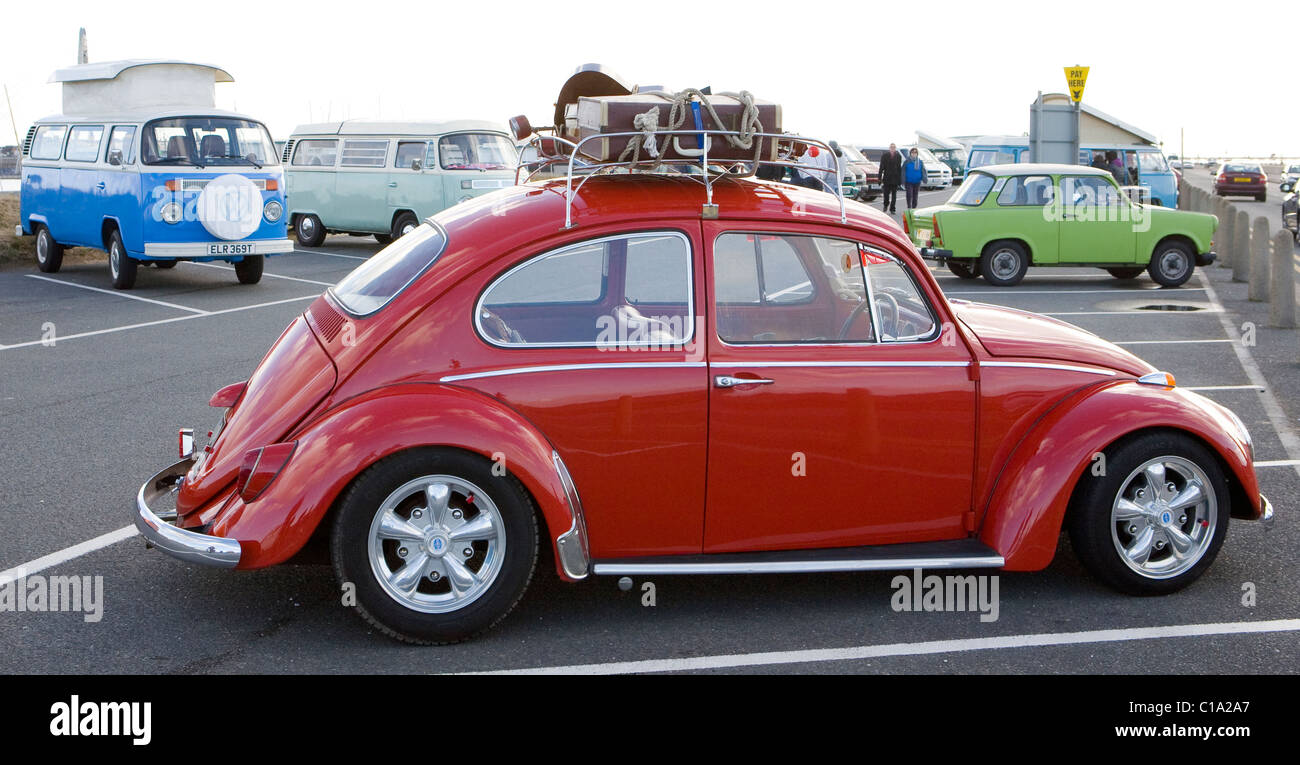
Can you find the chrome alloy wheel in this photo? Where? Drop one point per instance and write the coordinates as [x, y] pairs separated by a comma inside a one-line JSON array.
[[42, 247], [1005, 262], [436, 544], [307, 226], [1164, 517]]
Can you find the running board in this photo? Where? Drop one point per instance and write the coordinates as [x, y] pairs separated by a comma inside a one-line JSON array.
[[957, 553]]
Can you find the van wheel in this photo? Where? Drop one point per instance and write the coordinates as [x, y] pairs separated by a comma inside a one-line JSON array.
[[1155, 521], [384, 239], [437, 547], [309, 230], [1171, 265], [164, 264], [120, 265], [404, 224], [1125, 273], [1004, 263], [249, 270], [49, 253]]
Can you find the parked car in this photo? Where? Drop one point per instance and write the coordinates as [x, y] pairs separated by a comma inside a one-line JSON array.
[[1006, 218], [1146, 165], [383, 178], [1241, 178], [869, 187], [151, 184], [1290, 220], [610, 387], [1290, 174]]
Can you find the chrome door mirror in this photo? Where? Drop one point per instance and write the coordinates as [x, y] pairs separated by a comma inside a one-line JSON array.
[[417, 164], [115, 158]]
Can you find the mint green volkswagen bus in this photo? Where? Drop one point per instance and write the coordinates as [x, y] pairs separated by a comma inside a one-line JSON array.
[[383, 178]]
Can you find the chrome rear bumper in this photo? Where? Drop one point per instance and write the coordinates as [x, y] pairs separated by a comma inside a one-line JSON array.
[[188, 546]]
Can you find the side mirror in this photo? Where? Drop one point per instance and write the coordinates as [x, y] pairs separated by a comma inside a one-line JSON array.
[[115, 158], [417, 164]]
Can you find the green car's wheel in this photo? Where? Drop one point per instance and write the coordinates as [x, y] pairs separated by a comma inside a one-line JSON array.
[[1125, 273], [964, 269], [1004, 263], [1172, 264]]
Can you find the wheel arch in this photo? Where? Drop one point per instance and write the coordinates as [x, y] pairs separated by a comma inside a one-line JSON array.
[[992, 240], [1181, 238], [106, 229], [399, 212]]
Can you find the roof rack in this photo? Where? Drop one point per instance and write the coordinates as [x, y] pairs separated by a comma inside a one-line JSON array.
[[549, 155]]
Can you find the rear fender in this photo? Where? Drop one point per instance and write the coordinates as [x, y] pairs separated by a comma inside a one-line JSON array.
[[1028, 504], [339, 444]]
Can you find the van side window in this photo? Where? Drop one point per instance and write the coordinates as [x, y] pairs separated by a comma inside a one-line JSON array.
[[122, 141], [408, 152], [316, 153], [83, 143], [48, 143], [364, 152]]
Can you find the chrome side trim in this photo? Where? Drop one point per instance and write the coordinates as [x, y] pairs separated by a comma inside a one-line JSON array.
[[572, 367], [1040, 365], [571, 546], [796, 567], [179, 543], [756, 364]]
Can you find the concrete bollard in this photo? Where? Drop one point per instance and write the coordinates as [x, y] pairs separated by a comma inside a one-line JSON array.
[[1241, 247], [1227, 237], [1259, 266], [1281, 290]]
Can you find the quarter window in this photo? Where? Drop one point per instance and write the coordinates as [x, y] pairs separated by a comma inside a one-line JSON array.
[[359, 152], [48, 143], [122, 141], [83, 143], [903, 313], [974, 191], [314, 152]]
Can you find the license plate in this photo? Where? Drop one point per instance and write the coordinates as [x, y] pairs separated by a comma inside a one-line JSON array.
[[1241, 180], [923, 234], [230, 249]]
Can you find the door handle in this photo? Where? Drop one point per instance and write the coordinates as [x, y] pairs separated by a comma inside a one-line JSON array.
[[100, 185], [726, 381], [392, 184]]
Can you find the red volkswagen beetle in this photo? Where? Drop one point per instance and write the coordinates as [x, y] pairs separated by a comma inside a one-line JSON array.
[[757, 385]]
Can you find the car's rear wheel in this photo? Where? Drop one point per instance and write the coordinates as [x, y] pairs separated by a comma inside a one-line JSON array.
[[1172, 264], [964, 269], [309, 230], [1126, 273], [1004, 263], [249, 270], [437, 546], [49, 253], [384, 239], [122, 266], [1262, 196], [404, 224], [1154, 521]]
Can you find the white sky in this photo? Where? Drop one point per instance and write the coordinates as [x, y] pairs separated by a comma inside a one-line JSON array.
[[951, 68]]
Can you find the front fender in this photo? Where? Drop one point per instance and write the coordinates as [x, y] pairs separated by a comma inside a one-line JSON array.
[[336, 446], [1027, 506]]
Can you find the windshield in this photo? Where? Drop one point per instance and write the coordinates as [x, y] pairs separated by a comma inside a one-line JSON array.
[[982, 157], [372, 284], [477, 151], [973, 192], [1152, 162], [852, 154], [203, 141]]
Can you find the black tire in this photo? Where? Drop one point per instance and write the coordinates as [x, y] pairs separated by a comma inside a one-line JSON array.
[[123, 267], [1096, 536], [384, 239], [404, 224], [164, 264], [964, 269], [309, 230], [249, 270], [1261, 197], [1004, 263], [350, 540], [49, 253], [1171, 264], [1126, 273]]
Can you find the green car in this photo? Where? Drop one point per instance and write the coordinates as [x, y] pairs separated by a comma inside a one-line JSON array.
[[1005, 218]]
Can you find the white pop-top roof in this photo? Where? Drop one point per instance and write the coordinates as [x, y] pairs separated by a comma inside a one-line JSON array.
[[137, 84], [422, 128]]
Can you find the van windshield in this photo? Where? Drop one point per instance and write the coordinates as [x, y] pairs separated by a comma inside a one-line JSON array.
[[372, 284], [477, 151], [203, 141]]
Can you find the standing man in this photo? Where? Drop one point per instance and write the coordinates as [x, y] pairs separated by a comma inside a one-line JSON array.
[[913, 177], [891, 175]]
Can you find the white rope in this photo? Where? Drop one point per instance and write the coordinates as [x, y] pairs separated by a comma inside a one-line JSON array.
[[648, 123]]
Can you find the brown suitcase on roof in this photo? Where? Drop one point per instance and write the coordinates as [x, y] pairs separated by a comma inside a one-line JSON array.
[[602, 115]]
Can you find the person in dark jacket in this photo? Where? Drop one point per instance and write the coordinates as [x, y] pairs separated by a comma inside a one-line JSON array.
[[913, 177], [891, 176], [1117, 169]]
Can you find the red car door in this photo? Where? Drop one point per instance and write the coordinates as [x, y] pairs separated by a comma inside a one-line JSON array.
[[835, 419]]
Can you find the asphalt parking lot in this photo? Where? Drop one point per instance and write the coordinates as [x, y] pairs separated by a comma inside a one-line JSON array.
[[84, 419]]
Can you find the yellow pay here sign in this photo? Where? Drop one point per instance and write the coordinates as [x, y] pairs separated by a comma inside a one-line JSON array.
[[1075, 78]]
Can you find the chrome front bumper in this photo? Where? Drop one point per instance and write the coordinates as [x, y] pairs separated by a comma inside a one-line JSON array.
[[188, 546]]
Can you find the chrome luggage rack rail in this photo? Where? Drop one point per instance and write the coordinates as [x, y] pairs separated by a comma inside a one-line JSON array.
[[739, 168]]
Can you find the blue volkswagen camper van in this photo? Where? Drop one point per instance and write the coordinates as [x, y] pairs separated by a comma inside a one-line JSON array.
[[141, 165], [1146, 165]]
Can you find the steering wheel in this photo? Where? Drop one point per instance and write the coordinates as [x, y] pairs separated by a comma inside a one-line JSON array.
[[848, 321], [888, 327]]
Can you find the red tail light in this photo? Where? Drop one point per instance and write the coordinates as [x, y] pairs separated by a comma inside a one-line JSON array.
[[228, 396], [906, 228], [936, 237], [260, 467]]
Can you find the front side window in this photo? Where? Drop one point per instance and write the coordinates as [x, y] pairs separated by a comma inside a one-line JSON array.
[[629, 290], [364, 152], [408, 152], [121, 141], [377, 281], [48, 142], [83, 143], [1152, 162], [207, 141], [477, 151], [902, 311], [1089, 191], [974, 191], [316, 152], [1026, 191]]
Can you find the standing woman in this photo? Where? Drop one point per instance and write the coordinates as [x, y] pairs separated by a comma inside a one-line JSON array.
[[913, 177]]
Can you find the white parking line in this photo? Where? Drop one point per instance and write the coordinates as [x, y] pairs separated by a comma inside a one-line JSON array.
[[271, 276], [1013, 293], [1278, 463], [1129, 312], [116, 293], [1173, 342], [857, 653], [110, 330], [331, 254], [66, 554], [1223, 387]]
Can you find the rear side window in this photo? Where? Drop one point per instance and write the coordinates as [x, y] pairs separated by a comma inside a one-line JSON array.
[[367, 152], [315, 152], [83, 143], [48, 143], [377, 281], [1026, 191]]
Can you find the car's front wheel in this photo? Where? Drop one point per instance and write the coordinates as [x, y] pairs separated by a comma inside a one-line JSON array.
[[437, 546], [122, 266], [1156, 517], [1004, 263], [1172, 264], [309, 230], [249, 270], [49, 253]]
